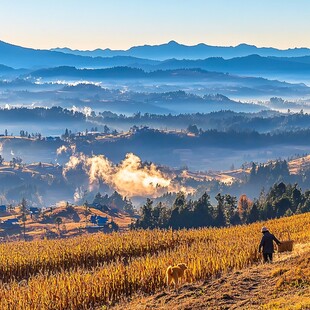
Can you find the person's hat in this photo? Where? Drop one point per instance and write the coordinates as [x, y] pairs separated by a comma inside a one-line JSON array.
[[264, 229]]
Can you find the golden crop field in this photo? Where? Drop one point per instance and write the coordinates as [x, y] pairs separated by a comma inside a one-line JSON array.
[[87, 271]]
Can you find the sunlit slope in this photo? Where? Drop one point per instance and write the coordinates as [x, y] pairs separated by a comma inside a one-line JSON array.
[[83, 272]]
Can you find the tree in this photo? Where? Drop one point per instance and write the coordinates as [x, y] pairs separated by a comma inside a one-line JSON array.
[[253, 172], [87, 211], [253, 214], [129, 207], [145, 220], [106, 129], [220, 219], [281, 206], [160, 216], [193, 129], [296, 197], [180, 200], [16, 161], [278, 190], [24, 212], [185, 215], [202, 211], [244, 205], [98, 199], [230, 209], [180, 212], [268, 211], [66, 134], [58, 221], [113, 226]]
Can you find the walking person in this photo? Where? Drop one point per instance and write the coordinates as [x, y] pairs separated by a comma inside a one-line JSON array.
[[267, 244]]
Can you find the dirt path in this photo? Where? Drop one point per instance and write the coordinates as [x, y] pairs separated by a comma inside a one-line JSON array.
[[244, 289]]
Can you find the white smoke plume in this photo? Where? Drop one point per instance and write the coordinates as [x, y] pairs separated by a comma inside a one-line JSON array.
[[66, 149], [130, 177], [78, 194], [85, 110]]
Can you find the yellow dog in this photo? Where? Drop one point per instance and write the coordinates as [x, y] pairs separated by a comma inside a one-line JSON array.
[[174, 273]]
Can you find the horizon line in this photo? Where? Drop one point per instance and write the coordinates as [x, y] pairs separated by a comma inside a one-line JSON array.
[[157, 44]]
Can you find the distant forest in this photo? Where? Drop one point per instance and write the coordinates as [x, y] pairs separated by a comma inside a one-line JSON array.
[[261, 178], [227, 139], [281, 200], [217, 128], [23, 114], [222, 120]]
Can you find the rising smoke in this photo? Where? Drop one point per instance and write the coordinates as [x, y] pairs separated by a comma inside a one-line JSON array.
[[130, 177], [66, 149]]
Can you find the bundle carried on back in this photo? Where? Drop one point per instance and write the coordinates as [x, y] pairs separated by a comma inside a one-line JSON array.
[[286, 245]]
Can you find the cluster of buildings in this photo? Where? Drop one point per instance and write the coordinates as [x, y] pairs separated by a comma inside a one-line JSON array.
[[10, 223]]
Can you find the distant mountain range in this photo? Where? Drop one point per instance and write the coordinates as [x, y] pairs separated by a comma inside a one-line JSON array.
[[173, 49], [21, 57]]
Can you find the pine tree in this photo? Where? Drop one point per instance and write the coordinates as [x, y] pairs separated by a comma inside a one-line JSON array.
[[202, 211], [220, 219], [253, 214]]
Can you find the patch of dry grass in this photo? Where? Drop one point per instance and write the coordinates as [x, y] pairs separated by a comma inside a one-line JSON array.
[[292, 303]]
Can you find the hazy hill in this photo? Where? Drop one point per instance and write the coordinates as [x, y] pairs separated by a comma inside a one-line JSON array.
[[249, 65], [72, 72], [21, 57], [173, 49], [4, 69], [7, 72], [301, 59], [213, 82], [190, 74], [252, 64]]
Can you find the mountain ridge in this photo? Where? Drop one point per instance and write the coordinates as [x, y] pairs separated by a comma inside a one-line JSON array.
[[173, 49], [248, 64], [19, 57], [23, 57]]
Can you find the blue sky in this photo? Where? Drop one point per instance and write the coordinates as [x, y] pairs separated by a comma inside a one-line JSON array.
[[120, 24]]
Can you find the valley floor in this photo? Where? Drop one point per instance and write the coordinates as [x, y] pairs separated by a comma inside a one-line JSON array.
[[284, 284]]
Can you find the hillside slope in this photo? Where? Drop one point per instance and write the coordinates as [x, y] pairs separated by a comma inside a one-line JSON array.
[[75, 221], [95, 270], [285, 284]]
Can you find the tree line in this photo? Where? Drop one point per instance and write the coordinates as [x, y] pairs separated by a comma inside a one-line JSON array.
[[221, 120], [281, 200]]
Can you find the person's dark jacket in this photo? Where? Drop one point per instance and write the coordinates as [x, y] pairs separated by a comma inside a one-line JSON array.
[[267, 242]]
